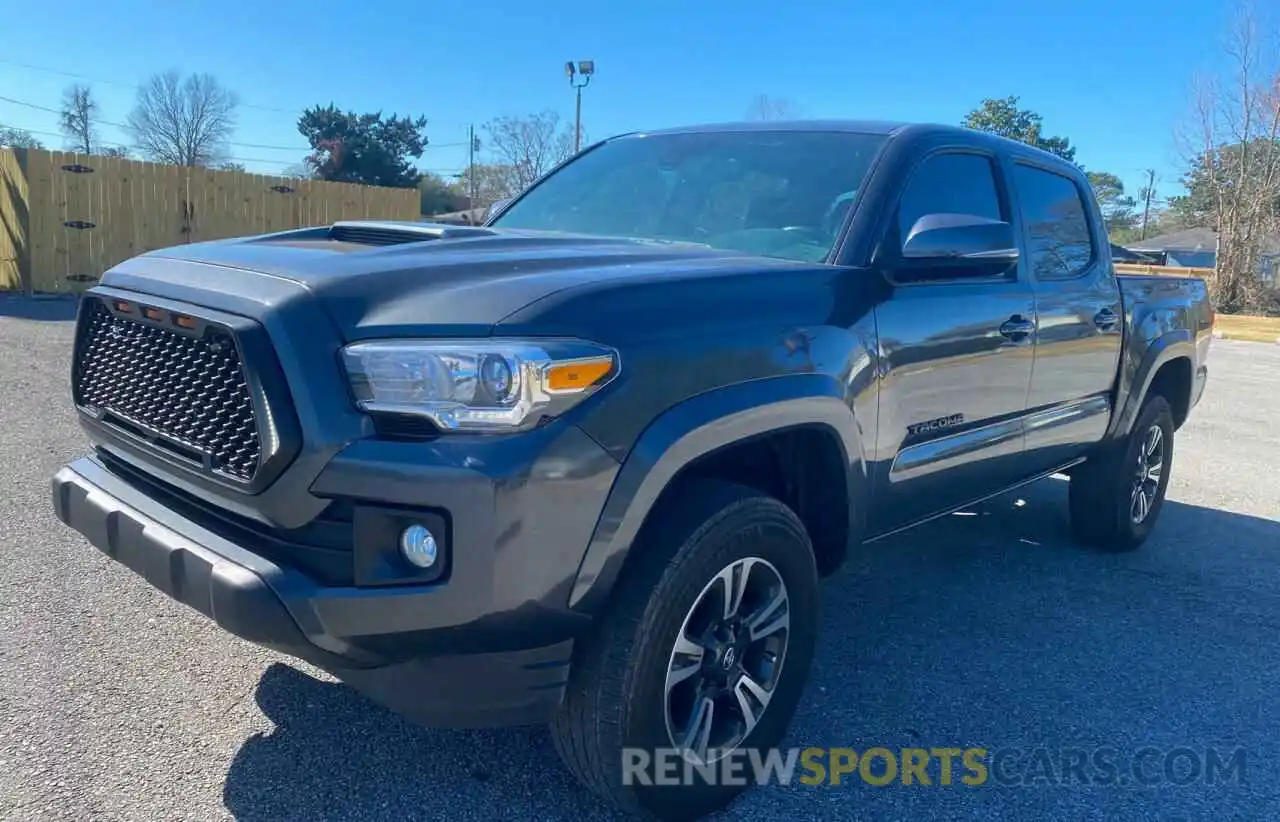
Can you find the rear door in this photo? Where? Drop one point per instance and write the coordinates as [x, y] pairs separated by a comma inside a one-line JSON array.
[[1080, 327], [956, 354]]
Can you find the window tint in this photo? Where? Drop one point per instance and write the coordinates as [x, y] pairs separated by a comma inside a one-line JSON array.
[[781, 194], [1057, 226], [949, 184]]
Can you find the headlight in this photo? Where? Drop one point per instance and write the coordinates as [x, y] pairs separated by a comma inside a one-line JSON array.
[[492, 385]]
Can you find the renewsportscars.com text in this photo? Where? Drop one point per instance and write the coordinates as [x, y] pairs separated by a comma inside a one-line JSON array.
[[942, 767]]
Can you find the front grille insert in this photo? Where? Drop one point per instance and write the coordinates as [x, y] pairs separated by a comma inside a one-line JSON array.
[[185, 394]]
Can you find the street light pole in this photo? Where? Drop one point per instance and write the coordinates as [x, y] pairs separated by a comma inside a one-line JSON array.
[[580, 75], [577, 123]]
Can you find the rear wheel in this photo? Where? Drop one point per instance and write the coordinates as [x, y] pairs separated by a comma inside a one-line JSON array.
[[1117, 495], [703, 652]]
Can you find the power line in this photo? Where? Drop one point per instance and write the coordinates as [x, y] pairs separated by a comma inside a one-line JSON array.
[[109, 144], [112, 144], [30, 105], [120, 84], [65, 73], [278, 162], [230, 142], [37, 107], [135, 86]]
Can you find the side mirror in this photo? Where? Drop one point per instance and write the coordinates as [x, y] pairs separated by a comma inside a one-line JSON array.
[[960, 238], [494, 208]]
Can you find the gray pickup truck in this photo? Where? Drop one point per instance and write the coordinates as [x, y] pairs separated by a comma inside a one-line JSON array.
[[585, 465]]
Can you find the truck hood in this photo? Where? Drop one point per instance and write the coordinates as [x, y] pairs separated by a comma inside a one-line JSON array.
[[458, 281]]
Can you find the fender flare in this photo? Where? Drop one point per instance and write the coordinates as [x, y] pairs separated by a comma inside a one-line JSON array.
[[697, 427], [1180, 343]]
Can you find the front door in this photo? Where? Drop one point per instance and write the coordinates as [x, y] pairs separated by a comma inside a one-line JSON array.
[[956, 349]]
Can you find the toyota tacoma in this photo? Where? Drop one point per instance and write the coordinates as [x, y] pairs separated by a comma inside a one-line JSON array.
[[585, 464]]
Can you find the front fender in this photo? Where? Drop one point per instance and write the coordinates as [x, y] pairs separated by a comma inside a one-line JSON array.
[[695, 428]]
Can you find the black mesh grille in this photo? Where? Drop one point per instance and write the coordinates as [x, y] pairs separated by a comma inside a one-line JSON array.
[[190, 391]]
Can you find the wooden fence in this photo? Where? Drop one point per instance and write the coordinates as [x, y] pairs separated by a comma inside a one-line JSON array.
[[1162, 270], [66, 218]]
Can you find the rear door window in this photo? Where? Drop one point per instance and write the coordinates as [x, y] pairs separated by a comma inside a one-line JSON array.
[[1060, 244]]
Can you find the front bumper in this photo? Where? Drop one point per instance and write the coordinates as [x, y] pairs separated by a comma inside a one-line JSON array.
[[350, 632]]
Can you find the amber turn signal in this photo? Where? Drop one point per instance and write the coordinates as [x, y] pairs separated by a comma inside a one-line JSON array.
[[574, 376]]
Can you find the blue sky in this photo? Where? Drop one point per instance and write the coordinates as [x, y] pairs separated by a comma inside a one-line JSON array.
[[1113, 77]]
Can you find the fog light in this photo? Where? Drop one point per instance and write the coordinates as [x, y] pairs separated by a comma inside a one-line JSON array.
[[418, 546]]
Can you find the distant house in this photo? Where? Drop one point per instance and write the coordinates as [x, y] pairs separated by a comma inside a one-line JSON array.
[[1198, 248], [1120, 254], [1192, 248]]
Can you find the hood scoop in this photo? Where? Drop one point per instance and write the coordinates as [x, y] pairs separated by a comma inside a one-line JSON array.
[[378, 233]]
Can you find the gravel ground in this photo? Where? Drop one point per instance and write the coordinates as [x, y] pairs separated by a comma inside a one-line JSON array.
[[990, 629]]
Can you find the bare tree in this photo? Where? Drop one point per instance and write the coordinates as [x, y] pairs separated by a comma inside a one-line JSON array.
[[185, 121], [18, 138], [490, 182], [300, 171], [1233, 151], [764, 107], [528, 147], [76, 118]]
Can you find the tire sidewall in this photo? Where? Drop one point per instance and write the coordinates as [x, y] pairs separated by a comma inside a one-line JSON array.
[[1156, 412], [732, 538]]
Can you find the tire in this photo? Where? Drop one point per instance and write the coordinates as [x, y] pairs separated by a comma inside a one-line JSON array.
[[617, 695], [1103, 493]]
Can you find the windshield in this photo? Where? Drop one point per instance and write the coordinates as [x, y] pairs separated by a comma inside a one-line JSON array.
[[774, 193]]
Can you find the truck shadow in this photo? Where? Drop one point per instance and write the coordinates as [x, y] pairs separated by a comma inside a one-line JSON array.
[[988, 628]]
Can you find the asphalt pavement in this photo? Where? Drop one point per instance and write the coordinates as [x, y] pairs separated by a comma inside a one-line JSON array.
[[990, 629]]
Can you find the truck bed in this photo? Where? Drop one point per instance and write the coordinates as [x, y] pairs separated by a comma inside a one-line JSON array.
[[1167, 298]]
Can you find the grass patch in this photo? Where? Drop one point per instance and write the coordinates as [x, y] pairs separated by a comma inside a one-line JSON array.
[[1254, 329]]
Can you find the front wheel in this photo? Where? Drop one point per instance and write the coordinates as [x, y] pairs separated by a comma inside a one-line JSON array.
[[703, 653], [1117, 495]]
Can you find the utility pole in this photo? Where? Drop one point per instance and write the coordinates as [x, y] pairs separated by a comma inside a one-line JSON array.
[[579, 77], [1146, 211], [471, 167]]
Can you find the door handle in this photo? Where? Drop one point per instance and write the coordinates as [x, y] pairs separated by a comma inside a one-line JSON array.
[[1017, 328], [1105, 319]]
